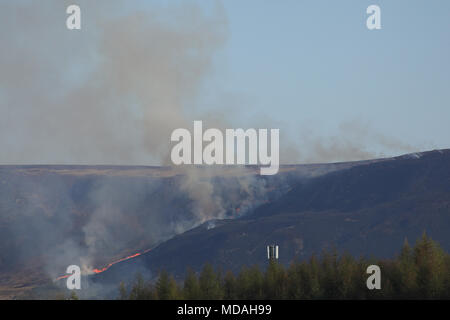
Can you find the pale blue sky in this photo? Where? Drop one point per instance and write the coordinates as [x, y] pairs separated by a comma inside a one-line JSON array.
[[313, 64]]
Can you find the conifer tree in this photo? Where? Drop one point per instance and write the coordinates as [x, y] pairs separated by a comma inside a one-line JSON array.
[[140, 289], [430, 260], [209, 284], [166, 287], [123, 295], [229, 286], [274, 281], [191, 289], [419, 272]]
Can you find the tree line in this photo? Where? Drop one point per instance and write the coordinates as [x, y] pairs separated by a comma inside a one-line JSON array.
[[418, 272]]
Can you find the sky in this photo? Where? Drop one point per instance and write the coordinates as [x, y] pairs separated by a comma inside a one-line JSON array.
[[315, 65], [336, 90]]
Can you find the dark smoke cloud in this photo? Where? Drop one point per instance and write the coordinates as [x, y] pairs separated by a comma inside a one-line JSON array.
[[113, 92], [110, 93]]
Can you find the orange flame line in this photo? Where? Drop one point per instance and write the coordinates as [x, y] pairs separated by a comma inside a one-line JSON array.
[[109, 265], [114, 262]]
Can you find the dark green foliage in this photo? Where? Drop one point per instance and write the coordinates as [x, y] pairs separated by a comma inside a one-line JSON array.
[[191, 288], [122, 291], [73, 296], [166, 287], [250, 284], [229, 286], [210, 288], [421, 272], [140, 290]]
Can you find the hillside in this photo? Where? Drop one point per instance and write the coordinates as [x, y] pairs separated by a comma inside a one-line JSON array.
[[368, 209], [53, 216]]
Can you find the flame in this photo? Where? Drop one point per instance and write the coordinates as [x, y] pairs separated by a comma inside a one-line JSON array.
[[114, 262], [109, 265]]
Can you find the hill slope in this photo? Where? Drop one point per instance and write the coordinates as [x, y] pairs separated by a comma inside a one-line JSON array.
[[366, 209]]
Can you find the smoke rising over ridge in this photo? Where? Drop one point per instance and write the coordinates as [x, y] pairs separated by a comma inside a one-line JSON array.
[[110, 93]]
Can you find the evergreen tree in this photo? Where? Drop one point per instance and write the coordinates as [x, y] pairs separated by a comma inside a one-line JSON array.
[[405, 279], [311, 279], [191, 288], [329, 279], [431, 271], [140, 289], [347, 271], [166, 287], [274, 281], [123, 295], [419, 272], [229, 286], [210, 284], [250, 284]]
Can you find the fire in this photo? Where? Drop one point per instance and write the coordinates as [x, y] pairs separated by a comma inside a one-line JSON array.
[[109, 265], [114, 262], [62, 277]]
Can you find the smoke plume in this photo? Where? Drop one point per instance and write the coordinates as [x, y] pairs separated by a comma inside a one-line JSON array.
[[110, 93]]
